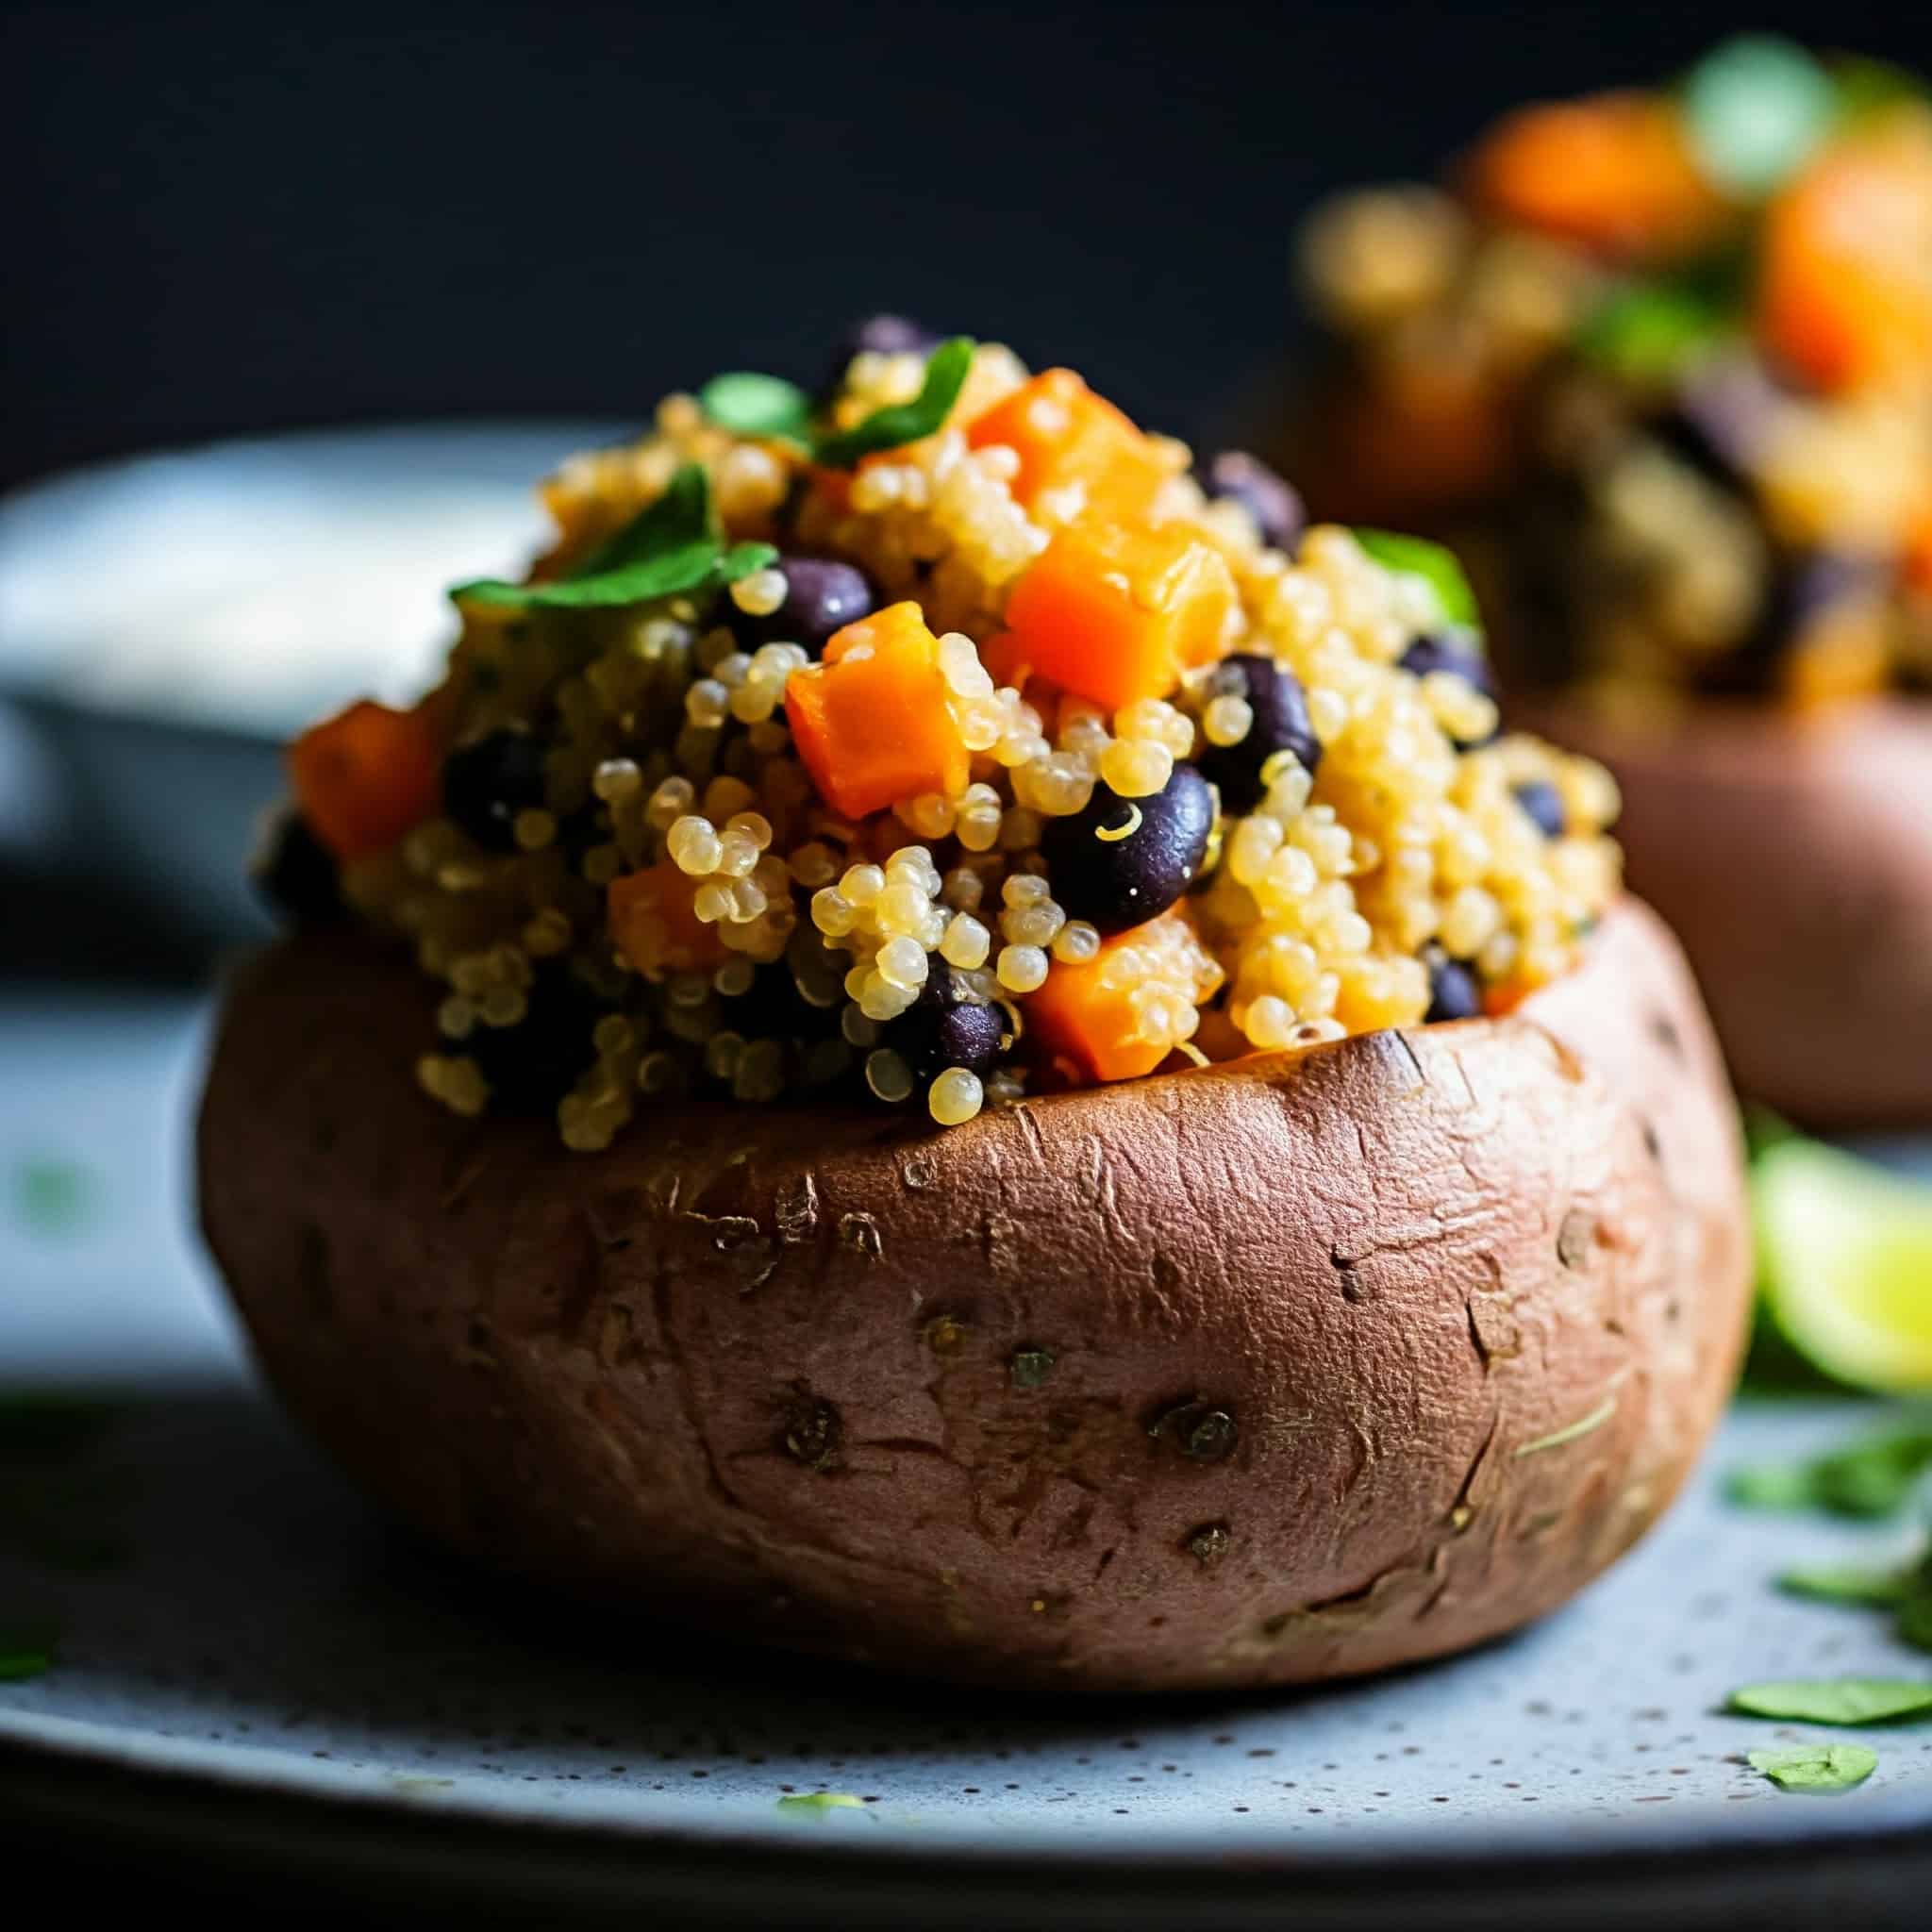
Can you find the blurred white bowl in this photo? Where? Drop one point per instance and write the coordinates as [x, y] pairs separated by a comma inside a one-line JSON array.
[[167, 621]]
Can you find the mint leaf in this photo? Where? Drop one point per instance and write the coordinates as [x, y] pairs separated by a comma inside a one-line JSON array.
[[751, 405], [1436, 567], [901, 423], [1816, 1767], [1755, 110], [1836, 1700], [743, 558], [1848, 1583], [681, 516], [670, 546]]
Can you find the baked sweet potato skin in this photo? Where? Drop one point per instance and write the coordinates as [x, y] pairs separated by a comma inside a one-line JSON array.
[[1261, 1373], [1793, 856]]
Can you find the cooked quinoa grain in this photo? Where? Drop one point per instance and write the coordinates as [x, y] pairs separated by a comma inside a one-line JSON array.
[[848, 758]]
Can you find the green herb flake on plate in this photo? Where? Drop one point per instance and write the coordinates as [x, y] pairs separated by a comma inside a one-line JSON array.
[[54, 1196], [1849, 1583], [816, 1804], [1868, 1480], [1816, 1767], [1836, 1700]]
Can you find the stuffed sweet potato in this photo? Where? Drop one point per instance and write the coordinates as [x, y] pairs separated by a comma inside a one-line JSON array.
[[950, 1045]]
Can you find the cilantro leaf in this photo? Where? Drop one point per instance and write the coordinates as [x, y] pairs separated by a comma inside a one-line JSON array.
[[1435, 564], [1914, 1625], [1870, 1478], [670, 546], [1816, 1767], [1848, 1583], [901, 423], [751, 405], [1836, 1700]]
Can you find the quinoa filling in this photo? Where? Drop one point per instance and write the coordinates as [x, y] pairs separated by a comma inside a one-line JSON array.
[[945, 738], [1660, 364]]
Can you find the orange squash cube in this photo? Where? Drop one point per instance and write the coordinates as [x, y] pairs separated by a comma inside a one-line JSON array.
[[1846, 291], [1116, 611], [1070, 440], [654, 926], [367, 776], [1088, 1016], [872, 722], [1613, 173]]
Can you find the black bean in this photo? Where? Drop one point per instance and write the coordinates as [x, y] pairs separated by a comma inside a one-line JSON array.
[[1115, 882], [532, 1065], [945, 1027], [1280, 706], [822, 595], [1453, 993], [296, 874], [1275, 504], [1544, 804], [1445, 651], [485, 785]]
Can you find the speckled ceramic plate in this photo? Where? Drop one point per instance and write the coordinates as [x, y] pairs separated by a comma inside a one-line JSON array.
[[247, 1654]]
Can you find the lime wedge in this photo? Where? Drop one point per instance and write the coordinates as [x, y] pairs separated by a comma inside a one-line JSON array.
[[1846, 1252]]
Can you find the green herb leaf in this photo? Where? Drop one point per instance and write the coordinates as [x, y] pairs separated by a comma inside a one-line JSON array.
[[743, 558], [681, 516], [1864, 87], [1836, 1700], [670, 546], [1756, 109], [903, 423], [1914, 1625], [1436, 567], [1817, 1767], [752, 404], [1848, 1583], [1648, 332], [1870, 1478], [53, 1197], [819, 1802]]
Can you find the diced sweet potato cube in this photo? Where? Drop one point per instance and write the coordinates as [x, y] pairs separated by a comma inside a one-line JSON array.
[[872, 722], [367, 776], [1116, 611], [1074, 443]]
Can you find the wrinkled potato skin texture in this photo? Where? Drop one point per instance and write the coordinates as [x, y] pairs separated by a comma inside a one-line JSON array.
[[1793, 859], [755, 1369]]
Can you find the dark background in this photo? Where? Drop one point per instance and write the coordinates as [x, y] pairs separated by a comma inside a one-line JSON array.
[[242, 217]]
